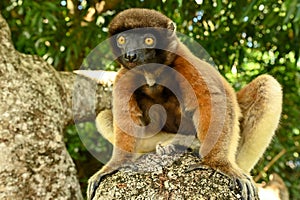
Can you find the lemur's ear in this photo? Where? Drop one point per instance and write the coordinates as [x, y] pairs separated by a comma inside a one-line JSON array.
[[172, 28]]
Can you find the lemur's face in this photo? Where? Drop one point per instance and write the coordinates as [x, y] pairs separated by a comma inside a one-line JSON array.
[[143, 46], [137, 48]]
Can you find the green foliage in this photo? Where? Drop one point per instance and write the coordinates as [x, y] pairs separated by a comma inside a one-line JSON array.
[[59, 35], [77, 139], [245, 39]]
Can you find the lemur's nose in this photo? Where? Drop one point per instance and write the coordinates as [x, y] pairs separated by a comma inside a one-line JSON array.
[[131, 56]]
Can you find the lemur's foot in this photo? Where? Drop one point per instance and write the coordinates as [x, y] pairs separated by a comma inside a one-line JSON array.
[[165, 149], [241, 181], [247, 187], [96, 179]]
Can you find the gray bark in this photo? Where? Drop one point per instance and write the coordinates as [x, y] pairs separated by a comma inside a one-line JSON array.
[[35, 108], [169, 175]]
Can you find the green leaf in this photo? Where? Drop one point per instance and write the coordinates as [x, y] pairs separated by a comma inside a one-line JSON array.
[[179, 3], [248, 9], [271, 19], [297, 16], [291, 8], [51, 5]]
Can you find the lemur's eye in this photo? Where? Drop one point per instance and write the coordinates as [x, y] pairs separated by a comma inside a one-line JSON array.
[[121, 40], [149, 41]]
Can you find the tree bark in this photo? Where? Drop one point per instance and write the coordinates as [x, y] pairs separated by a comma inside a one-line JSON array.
[[170, 174], [36, 105]]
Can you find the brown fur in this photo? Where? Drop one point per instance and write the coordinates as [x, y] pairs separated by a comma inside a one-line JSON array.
[[137, 18]]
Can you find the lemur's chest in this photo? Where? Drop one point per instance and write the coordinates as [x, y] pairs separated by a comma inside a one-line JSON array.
[[148, 96]]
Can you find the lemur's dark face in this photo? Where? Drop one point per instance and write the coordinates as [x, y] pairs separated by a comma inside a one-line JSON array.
[[142, 46], [137, 48]]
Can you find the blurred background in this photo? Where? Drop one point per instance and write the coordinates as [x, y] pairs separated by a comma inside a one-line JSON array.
[[245, 38]]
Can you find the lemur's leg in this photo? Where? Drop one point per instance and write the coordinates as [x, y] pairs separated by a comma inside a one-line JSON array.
[[261, 103]]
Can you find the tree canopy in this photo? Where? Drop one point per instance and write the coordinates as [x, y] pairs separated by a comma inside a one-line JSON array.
[[244, 38]]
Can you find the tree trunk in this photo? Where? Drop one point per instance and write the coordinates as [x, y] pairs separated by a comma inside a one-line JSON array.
[[35, 108]]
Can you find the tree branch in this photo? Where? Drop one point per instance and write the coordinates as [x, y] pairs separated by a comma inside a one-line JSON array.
[[168, 175], [85, 98], [266, 168]]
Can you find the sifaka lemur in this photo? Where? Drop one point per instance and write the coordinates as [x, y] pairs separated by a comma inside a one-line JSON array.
[[233, 129]]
